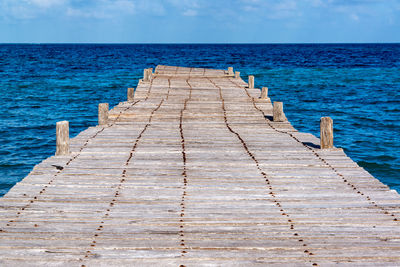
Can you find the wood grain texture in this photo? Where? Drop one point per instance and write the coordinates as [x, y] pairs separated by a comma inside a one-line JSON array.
[[278, 114], [230, 71], [103, 113], [62, 138], [264, 93], [130, 94], [192, 172], [326, 131], [251, 82], [146, 75]]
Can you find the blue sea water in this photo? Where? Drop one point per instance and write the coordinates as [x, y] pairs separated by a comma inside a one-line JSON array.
[[358, 85]]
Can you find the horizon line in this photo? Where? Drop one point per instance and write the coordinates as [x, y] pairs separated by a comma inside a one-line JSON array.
[[200, 43]]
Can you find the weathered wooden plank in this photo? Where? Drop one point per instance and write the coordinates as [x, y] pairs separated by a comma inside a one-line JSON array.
[[192, 170]]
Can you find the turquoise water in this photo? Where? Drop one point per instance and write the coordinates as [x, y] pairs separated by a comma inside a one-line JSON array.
[[357, 85]]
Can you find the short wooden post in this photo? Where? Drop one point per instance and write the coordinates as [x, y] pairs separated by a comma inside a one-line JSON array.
[[146, 75], [326, 125], [131, 92], [237, 74], [62, 138], [278, 112], [251, 81], [150, 73], [230, 71], [264, 93], [103, 113]]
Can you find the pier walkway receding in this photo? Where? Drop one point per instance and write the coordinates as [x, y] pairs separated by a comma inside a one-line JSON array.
[[194, 171]]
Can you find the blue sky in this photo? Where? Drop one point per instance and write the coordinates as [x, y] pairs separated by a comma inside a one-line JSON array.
[[199, 21]]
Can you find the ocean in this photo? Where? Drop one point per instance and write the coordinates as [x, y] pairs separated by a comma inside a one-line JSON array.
[[358, 85]]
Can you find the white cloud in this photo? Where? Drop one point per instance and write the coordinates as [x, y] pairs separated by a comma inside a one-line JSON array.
[[188, 8], [31, 9], [355, 17], [151, 7], [46, 3], [28, 9], [190, 13], [249, 8], [250, 1], [286, 5], [103, 9], [227, 10], [185, 3], [271, 9]]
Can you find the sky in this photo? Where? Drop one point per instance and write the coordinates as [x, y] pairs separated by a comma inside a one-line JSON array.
[[199, 21]]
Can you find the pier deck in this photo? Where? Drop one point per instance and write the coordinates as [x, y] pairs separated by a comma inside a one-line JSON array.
[[194, 172]]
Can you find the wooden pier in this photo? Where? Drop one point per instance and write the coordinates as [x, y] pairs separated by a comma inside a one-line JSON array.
[[194, 171]]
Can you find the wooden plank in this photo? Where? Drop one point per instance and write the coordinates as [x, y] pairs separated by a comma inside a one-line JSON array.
[[193, 171]]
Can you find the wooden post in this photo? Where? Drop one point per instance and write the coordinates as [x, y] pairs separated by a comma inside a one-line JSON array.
[[278, 112], [150, 73], [62, 138], [230, 71], [146, 75], [131, 92], [264, 93], [103, 113], [326, 125], [237, 74], [251, 81]]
